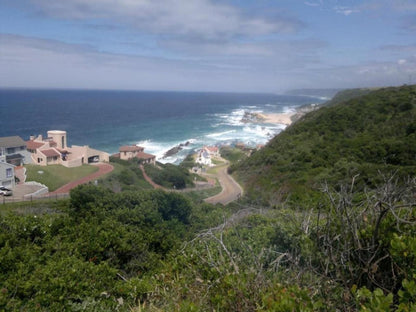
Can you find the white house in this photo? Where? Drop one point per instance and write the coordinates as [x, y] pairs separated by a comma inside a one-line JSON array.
[[213, 150], [204, 157], [14, 150], [6, 173]]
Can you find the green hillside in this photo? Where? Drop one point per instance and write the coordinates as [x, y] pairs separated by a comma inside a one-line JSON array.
[[364, 135], [336, 230]]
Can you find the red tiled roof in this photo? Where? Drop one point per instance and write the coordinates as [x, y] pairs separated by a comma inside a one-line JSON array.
[[131, 148], [212, 148], [50, 153], [142, 155], [32, 145]]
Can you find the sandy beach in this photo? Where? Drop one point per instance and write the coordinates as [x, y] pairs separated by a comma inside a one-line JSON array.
[[279, 118]]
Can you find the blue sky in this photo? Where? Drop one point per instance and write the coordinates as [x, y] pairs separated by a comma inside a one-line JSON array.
[[207, 45]]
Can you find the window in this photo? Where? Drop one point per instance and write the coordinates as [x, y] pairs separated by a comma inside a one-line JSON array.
[[10, 150], [9, 173]]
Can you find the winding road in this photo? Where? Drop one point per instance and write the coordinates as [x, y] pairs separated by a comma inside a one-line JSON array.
[[231, 190]]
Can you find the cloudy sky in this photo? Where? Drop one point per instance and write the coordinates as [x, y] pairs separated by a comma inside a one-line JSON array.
[[207, 45]]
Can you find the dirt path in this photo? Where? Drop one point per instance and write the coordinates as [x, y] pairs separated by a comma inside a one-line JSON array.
[[102, 169], [149, 180], [231, 190]]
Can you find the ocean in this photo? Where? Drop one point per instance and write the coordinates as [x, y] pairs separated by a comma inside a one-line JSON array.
[[158, 121]]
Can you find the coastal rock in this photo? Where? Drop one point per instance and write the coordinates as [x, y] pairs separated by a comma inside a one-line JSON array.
[[252, 117], [173, 151], [176, 149]]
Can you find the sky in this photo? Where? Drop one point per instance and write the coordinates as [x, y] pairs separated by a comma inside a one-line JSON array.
[[207, 45]]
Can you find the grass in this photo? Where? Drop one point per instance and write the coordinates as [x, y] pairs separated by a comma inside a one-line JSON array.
[[214, 170], [234, 155], [55, 176], [217, 161], [200, 195], [126, 176]]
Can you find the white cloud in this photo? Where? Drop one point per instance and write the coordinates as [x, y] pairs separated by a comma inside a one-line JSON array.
[[196, 18], [31, 62], [345, 10], [397, 5], [313, 4]]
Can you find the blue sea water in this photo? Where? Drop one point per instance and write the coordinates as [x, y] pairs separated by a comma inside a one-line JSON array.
[[157, 121]]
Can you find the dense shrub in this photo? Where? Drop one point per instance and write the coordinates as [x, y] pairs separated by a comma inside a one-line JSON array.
[[363, 135]]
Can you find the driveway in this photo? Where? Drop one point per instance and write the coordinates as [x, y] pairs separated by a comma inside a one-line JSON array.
[[231, 190], [19, 192], [103, 169]]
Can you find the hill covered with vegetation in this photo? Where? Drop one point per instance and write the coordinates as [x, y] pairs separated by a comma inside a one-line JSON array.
[[360, 136], [329, 224]]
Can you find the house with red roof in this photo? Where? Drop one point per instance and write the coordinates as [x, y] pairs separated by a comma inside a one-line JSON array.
[[53, 150], [127, 152], [212, 150], [130, 151]]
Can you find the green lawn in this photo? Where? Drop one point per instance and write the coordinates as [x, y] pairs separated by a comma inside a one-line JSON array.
[[200, 195], [214, 170], [54, 176]]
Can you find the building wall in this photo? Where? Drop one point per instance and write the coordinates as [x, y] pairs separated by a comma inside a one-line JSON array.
[[150, 161], [85, 152], [17, 150], [103, 156], [59, 137], [72, 163], [77, 155], [39, 159], [127, 155], [5, 180], [55, 160]]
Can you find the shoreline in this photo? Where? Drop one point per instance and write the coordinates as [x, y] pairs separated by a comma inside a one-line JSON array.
[[282, 118], [278, 118]]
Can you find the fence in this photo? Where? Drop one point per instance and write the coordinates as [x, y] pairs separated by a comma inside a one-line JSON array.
[[32, 197]]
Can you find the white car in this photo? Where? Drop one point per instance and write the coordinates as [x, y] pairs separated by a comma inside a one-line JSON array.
[[5, 191]]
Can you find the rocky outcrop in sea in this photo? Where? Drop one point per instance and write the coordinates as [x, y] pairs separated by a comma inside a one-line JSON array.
[[176, 149]]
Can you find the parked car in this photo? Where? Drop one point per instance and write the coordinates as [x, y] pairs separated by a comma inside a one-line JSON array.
[[5, 191]]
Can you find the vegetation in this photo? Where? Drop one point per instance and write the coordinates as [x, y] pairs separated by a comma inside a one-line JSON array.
[[362, 136], [126, 176], [55, 176], [171, 176], [233, 155], [200, 194], [93, 250], [334, 230], [188, 162], [348, 94]]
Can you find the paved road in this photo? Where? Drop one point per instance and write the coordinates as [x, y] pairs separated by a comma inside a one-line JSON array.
[[231, 190], [103, 168]]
